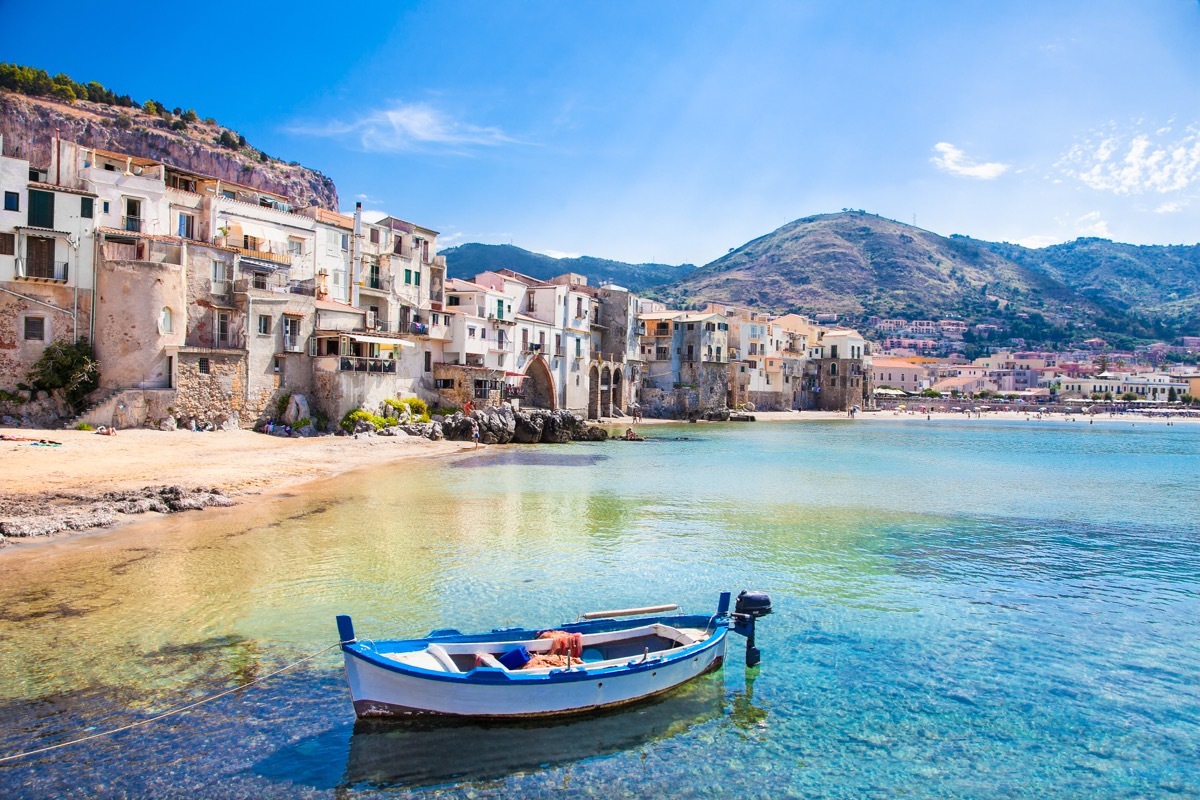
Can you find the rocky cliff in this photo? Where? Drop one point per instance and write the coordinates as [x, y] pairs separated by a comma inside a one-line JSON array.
[[28, 125]]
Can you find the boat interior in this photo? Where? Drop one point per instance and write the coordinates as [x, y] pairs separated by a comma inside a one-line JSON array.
[[606, 649]]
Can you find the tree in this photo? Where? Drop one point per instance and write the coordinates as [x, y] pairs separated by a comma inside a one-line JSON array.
[[1171, 395], [66, 368], [190, 116], [1130, 396], [227, 139], [150, 107], [124, 121]]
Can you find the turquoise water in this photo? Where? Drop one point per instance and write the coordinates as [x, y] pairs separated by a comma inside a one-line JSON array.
[[963, 609]]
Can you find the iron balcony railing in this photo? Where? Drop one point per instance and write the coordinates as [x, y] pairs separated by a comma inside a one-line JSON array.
[[292, 343], [379, 366], [42, 270], [132, 224]]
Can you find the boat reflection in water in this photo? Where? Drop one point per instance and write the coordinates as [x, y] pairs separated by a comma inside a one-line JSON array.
[[429, 751]]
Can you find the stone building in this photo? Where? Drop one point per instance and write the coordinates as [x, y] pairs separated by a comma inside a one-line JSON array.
[[838, 375]]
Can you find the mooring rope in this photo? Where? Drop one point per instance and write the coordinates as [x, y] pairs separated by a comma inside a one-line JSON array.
[[166, 714]]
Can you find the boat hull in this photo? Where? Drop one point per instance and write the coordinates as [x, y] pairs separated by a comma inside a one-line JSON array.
[[381, 687]]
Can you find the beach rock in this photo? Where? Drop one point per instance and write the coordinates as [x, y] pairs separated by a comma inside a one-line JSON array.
[[226, 422], [389, 430], [167, 424], [362, 426], [428, 430], [307, 431], [528, 427], [297, 409]]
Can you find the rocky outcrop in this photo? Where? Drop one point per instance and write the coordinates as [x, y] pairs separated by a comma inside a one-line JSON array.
[[28, 125], [49, 514], [503, 426]]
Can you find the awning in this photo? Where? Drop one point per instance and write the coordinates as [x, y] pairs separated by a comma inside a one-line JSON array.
[[360, 337], [518, 375]]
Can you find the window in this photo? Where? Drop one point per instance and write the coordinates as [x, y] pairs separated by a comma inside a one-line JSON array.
[[220, 277], [428, 361], [578, 307], [41, 209], [165, 321], [833, 351], [264, 324], [87, 207], [35, 329], [104, 206], [295, 247], [133, 214], [374, 236], [662, 353], [260, 280], [452, 300], [8, 244], [525, 339], [345, 241], [501, 339], [558, 350], [408, 278], [532, 304], [223, 328], [12, 201], [471, 332], [417, 278], [203, 366], [578, 348], [443, 383], [187, 226]]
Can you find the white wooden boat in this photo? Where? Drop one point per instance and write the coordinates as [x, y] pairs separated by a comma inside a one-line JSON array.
[[611, 660]]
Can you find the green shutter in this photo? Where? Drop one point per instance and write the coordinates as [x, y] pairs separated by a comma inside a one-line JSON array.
[[41, 209]]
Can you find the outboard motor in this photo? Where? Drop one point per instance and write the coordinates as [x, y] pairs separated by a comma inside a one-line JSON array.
[[750, 606]]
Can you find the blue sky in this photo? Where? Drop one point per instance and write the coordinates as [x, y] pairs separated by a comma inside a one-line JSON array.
[[675, 131]]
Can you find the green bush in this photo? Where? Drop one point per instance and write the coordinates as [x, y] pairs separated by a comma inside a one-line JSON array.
[[281, 405], [352, 417], [417, 408], [83, 426], [67, 367]]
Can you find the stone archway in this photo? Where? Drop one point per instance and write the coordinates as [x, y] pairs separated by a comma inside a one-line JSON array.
[[593, 410], [539, 386], [618, 393]]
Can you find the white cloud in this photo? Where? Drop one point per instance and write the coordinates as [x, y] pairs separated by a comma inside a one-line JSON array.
[[1136, 162], [1171, 207], [558, 254], [1091, 224], [1038, 240], [404, 127], [953, 160]]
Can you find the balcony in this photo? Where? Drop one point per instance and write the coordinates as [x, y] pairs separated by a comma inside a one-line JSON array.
[[292, 343], [56, 271], [281, 256], [380, 366], [377, 283], [132, 224], [413, 329]]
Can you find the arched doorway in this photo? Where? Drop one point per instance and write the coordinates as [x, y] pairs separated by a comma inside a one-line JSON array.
[[606, 391], [618, 394], [593, 393], [539, 386]]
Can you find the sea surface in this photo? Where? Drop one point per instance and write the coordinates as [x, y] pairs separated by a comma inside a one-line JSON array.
[[963, 609]]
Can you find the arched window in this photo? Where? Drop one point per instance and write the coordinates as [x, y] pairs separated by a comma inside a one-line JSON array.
[[833, 369], [165, 321]]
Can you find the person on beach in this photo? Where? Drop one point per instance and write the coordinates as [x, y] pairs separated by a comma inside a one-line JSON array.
[[475, 433], [107, 430]]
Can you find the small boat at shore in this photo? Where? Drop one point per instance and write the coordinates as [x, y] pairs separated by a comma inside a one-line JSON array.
[[602, 660]]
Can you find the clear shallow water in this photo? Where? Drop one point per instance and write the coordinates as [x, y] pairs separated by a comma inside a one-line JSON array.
[[962, 610]]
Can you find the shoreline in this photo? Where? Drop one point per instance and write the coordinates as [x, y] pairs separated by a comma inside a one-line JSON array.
[[90, 483]]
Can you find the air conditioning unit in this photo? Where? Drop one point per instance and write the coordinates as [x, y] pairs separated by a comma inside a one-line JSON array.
[[372, 320]]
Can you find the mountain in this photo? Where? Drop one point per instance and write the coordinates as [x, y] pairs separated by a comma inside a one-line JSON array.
[[28, 126], [468, 260], [861, 265], [1150, 281]]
